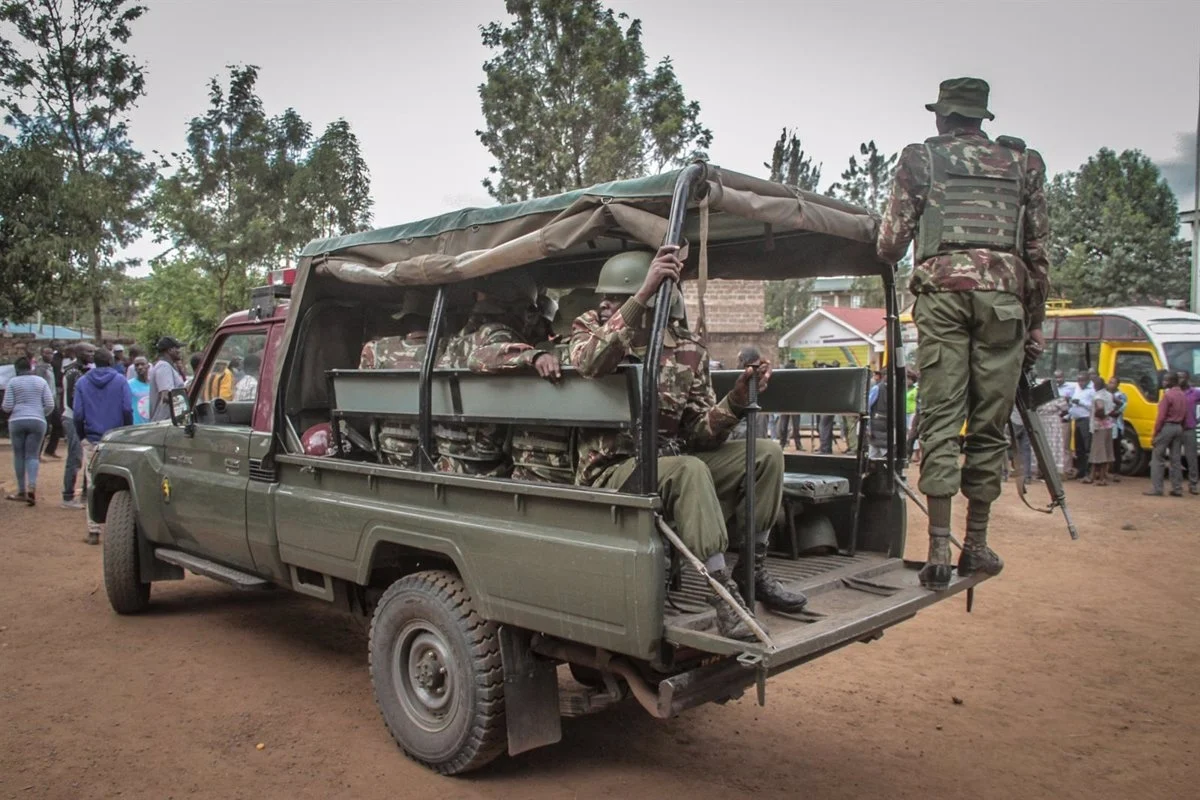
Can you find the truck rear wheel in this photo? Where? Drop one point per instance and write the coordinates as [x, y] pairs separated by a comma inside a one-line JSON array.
[[437, 673], [122, 579]]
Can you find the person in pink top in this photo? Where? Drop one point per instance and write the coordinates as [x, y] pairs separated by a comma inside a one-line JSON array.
[[1192, 394]]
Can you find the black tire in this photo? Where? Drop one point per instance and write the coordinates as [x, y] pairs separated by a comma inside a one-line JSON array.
[[437, 673], [122, 579], [1132, 459]]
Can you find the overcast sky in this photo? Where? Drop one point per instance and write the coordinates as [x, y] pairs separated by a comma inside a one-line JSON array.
[[1069, 77]]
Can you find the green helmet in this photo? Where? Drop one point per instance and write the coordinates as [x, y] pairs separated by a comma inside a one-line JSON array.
[[623, 273]]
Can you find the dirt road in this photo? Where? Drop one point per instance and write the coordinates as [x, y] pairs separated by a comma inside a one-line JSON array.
[[1077, 674]]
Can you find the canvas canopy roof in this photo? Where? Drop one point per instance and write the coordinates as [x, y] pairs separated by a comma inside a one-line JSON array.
[[755, 229]]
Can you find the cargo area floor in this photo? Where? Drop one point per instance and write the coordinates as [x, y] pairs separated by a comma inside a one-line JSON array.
[[849, 599]]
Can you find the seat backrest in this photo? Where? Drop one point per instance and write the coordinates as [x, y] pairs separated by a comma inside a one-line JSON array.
[[460, 395], [840, 390]]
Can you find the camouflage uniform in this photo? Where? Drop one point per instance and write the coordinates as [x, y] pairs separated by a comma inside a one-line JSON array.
[[702, 490], [489, 343], [977, 210], [399, 442]]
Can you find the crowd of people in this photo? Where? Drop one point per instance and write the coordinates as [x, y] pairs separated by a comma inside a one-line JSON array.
[[74, 394]]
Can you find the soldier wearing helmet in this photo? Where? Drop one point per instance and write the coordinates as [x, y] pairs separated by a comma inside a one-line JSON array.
[[399, 441], [492, 341], [701, 476]]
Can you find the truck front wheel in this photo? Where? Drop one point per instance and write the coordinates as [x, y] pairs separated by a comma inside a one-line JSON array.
[[437, 673], [122, 579]]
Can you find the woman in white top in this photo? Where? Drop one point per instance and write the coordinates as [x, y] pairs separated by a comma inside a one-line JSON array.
[[28, 400]]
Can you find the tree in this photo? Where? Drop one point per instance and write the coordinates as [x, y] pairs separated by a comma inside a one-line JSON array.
[[34, 238], [334, 186], [178, 298], [868, 182], [568, 102], [788, 301], [674, 135], [1114, 227], [67, 82]]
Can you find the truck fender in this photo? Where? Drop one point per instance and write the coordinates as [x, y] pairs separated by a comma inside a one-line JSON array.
[[418, 543], [151, 569]]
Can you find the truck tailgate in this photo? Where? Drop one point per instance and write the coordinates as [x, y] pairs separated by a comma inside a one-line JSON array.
[[850, 598]]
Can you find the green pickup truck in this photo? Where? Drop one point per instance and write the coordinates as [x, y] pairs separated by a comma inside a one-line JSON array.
[[479, 589]]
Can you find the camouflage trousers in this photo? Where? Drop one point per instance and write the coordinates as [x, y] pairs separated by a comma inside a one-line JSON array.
[[971, 345], [704, 492]]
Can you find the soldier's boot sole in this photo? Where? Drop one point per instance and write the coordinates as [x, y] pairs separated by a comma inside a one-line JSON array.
[[985, 561]]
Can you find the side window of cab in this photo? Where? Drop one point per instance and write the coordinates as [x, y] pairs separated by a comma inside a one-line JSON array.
[[229, 382]]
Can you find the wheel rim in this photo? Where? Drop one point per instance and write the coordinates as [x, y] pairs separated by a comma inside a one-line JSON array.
[[1129, 454], [424, 676]]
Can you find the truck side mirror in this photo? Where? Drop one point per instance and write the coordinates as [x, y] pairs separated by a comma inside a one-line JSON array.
[[181, 412]]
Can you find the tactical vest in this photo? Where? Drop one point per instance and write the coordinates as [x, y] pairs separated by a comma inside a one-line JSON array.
[[973, 202], [545, 453]]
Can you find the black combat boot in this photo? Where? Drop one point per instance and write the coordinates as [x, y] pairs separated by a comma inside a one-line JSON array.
[[768, 589], [982, 560], [729, 624], [976, 555], [936, 573]]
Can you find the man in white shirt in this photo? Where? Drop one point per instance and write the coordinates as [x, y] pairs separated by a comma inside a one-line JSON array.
[[1080, 412]]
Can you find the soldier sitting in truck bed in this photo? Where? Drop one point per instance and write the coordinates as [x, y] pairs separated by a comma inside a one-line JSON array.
[[700, 475], [544, 453], [399, 441], [493, 340]]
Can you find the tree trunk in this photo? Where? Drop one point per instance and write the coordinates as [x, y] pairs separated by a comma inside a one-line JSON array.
[[96, 315]]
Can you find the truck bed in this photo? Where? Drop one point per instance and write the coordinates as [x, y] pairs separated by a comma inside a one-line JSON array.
[[850, 598]]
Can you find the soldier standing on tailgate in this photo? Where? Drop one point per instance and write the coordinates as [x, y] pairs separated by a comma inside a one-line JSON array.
[[701, 477], [492, 341], [400, 441], [977, 211]]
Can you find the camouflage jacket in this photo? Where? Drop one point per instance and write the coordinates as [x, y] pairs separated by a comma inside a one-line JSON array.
[[394, 352], [1024, 274], [486, 345], [398, 441], [689, 416]]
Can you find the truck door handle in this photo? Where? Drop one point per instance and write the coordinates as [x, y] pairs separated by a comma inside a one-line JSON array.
[[233, 465]]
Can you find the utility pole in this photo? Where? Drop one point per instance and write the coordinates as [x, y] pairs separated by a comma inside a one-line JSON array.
[[1193, 217]]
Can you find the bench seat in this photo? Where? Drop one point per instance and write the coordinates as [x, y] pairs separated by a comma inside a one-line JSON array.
[[810, 488]]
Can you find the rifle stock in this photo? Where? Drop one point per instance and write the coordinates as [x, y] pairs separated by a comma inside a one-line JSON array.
[[1029, 398]]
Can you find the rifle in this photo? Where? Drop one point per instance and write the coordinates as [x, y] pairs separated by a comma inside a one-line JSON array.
[[1029, 398]]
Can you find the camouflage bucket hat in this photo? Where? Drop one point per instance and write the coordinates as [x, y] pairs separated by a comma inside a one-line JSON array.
[[967, 97]]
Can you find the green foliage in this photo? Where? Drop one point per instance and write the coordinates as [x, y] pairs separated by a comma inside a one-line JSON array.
[[35, 246], [1114, 227], [789, 301], [334, 187], [179, 298], [67, 84], [790, 165], [867, 181], [568, 102], [249, 191]]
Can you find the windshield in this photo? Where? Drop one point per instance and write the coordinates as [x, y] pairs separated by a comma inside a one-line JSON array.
[[1183, 356]]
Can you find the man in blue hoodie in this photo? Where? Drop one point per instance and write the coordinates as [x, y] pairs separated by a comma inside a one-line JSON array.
[[103, 401]]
